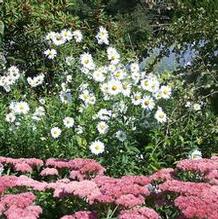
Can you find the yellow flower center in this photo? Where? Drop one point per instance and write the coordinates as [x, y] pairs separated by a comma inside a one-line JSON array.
[[114, 87]]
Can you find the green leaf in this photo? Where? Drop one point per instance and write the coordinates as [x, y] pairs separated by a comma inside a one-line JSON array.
[[2, 27]]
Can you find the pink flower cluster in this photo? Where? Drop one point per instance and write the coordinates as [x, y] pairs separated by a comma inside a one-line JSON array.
[[81, 215], [23, 165], [139, 213], [21, 205], [79, 168], [207, 167], [128, 191], [86, 181]]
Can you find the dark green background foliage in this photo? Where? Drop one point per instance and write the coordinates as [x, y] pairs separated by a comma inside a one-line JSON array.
[[136, 27]]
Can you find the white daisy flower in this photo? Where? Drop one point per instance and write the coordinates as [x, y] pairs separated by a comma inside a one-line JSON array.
[[87, 61], [65, 96], [104, 88], [9, 81], [104, 114], [188, 104], [97, 147], [69, 78], [98, 75], [39, 113], [136, 98], [14, 72], [119, 74], [112, 68], [150, 84], [10, 117], [164, 92], [196, 106], [134, 67], [113, 55], [50, 36], [102, 127], [68, 122], [160, 116], [12, 106], [114, 87], [77, 34], [21, 108], [126, 91], [67, 35], [102, 36], [50, 53], [70, 60], [147, 103], [92, 100], [135, 77], [85, 95], [55, 132], [58, 39]]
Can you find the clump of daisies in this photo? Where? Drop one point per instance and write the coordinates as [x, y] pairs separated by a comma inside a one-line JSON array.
[[64, 36], [56, 39], [10, 77], [17, 109], [118, 98], [113, 84]]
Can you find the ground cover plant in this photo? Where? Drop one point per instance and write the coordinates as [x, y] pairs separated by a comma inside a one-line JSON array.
[[55, 188]]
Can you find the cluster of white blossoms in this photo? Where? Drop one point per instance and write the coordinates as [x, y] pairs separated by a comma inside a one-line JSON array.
[[113, 90], [17, 108], [115, 81], [60, 38], [10, 77], [22, 108], [194, 106], [36, 81]]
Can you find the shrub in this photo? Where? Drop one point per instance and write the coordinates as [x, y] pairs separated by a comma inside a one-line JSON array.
[[92, 105]]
